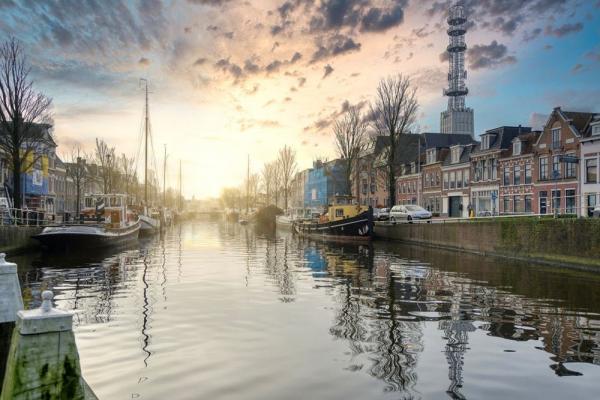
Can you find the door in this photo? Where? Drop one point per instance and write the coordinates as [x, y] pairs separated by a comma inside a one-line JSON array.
[[543, 205], [454, 209]]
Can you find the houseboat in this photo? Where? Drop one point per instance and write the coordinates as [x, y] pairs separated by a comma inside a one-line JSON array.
[[295, 215], [344, 221], [105, 221]]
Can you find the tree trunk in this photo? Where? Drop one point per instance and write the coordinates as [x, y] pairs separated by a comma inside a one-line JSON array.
[[285, 198], [17, 195], [78, 205]]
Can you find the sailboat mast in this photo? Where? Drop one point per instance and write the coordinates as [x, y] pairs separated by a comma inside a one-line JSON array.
[[248, 184], [165, 178], [146, 150], [180, 207]]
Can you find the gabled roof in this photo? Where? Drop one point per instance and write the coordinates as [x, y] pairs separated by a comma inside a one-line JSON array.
[[442, 140], [527, 142], [577, 120]]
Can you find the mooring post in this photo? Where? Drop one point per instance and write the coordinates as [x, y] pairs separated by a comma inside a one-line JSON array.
[[43, 362]]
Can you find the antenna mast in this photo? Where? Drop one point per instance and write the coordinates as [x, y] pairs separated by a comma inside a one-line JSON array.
[[145, 143]]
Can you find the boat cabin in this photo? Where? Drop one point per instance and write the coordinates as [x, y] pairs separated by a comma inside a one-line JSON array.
[[108, 208], [343, 207]]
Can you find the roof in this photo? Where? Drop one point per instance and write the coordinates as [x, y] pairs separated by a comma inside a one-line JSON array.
[[406, 149], [39, 126], [465, 155], [527, 142], [503, 137], [442, 140]]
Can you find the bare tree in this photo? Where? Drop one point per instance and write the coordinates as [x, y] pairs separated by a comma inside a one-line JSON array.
[[77, 171], [351, 141], [393, 114], [105, 157], [25, 115], [127, 170], [287, 168], [268, 177]]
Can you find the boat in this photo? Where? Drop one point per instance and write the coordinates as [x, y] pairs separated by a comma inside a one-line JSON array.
[[105, 221], [149, 222], [295, 215], [344, 221]]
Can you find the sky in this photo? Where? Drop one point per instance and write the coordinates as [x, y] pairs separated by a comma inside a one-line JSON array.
[[230, 78]]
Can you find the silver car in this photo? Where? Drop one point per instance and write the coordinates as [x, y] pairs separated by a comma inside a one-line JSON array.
[[409, 213]]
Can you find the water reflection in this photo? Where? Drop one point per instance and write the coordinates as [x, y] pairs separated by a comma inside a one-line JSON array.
[[406, 316]]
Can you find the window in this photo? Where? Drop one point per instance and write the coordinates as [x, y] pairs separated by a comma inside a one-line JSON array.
[[477, 171], [527, 174], [517, 148], [570, 201], [452, 180], [570, 170], [485, 142], [506, 204], [445, 180], [543, 202], [456, 154], [517, 175], [591, 170], [556, 200], [591, 204], [506, 178], [485, 170], [555, 167], [466, 178], [596, 129], [431, 156], [494, 167], [459, 179], [517, 204], [543, 168], [555, 138], [527, 203]]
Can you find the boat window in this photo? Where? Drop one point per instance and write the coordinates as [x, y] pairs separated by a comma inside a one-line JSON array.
[[339, 212]]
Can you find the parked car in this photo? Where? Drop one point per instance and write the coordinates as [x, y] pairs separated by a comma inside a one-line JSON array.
[[383, 214], [408, 212], [596, 213]]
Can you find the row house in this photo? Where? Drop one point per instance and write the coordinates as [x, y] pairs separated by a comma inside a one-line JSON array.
[[421, 179], [456, 172], [324, 180], [408, 184], [516, 171], [485, 180], [557, 151], [297, 188], [589, 164]]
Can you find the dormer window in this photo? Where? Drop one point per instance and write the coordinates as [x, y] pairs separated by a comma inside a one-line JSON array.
[[516, 148], [596, 128], [456, 151], [486, 142], [413, 167], [431, 156]]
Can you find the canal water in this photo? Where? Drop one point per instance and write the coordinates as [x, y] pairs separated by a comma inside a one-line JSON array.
[[218, 311]]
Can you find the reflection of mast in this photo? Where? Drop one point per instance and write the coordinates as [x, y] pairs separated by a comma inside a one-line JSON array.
[[145, 313]]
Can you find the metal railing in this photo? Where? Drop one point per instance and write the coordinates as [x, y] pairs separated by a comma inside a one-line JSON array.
[[25, 217]]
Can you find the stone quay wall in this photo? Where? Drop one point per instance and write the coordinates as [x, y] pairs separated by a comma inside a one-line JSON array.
[[567, 242], [16, 239]]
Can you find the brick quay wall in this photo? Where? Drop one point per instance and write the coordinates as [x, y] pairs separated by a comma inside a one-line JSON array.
[[566, 242]]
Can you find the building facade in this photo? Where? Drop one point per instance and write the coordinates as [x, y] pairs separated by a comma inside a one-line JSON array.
[[516, 176], [589, 164], [557, 151], [324, 180], [456, 172]]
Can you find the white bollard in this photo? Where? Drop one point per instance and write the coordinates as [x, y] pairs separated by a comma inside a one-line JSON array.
[[10, 291]]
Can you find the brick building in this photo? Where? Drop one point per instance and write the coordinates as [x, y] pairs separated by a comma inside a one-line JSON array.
[[589, 164], [485, 181], [556, 178], [456, 169], [516, 176]]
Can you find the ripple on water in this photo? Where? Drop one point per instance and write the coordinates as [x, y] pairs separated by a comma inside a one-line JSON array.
[[212, 310]]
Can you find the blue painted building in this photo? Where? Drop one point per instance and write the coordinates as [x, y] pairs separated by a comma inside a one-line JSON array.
[[325, 180]]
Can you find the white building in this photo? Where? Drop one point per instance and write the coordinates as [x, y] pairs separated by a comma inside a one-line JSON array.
[[590, 162]]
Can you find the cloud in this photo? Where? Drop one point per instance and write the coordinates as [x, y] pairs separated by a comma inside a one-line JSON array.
[[334, 46], [563, 30], [232, 69], [200, 61], [328, 70], [576, 68], [531, 35], [593, 55], [324, 121], [209, 2], [378, 20], [492, 55], [144, 61]]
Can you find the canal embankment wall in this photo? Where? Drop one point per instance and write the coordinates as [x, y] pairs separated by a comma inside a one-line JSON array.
[[17, 238], [566, 242]]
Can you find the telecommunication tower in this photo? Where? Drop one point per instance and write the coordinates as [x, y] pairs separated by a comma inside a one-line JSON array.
[[457, 118]]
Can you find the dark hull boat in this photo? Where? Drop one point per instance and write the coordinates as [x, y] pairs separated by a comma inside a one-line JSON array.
[[84, 236], [356, 228]]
